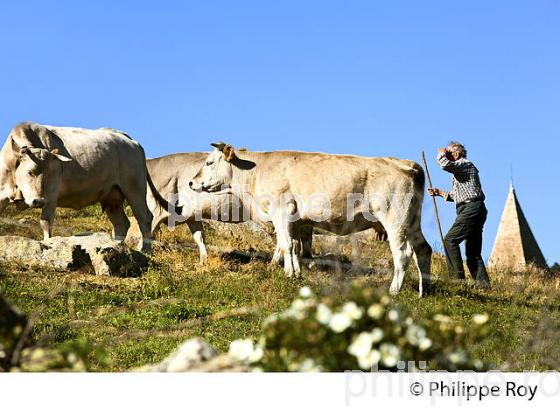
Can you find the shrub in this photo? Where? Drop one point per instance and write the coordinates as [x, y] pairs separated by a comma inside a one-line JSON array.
[[366, 332]]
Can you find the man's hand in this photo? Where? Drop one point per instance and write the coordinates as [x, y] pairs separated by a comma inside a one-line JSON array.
[[443, 150], [435, 192]]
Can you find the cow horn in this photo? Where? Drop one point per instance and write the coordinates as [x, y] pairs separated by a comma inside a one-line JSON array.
[[56, 153], [15, 146], [218, 145]]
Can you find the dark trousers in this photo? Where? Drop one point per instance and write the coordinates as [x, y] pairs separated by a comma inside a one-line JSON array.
[[468, 227]]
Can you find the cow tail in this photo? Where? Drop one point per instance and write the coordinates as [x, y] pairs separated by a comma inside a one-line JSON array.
[[419, 177], [159, 199], [419, 184]]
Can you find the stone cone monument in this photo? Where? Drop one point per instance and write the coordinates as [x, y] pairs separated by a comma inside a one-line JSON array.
[[516, 247]]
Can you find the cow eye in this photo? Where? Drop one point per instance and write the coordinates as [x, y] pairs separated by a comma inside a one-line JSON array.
[[34, 171], [208, 163]]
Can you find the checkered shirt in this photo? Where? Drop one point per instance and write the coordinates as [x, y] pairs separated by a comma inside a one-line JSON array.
[[466, 180]]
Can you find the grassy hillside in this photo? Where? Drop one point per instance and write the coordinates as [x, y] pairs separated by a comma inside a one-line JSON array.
[[132, 322]]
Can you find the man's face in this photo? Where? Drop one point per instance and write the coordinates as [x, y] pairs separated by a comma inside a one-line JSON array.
[[452, 154]]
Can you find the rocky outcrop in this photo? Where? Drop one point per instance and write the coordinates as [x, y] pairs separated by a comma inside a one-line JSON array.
[[104, 255]]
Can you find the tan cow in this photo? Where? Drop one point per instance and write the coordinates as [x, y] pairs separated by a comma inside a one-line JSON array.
[[338, 193], [49, 167], [171, 175]]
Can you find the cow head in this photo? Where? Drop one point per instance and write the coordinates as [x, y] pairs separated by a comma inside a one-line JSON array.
[[216, 173], [38, 171]]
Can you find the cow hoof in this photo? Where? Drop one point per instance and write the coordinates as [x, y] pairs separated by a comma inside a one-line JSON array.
[[276, 262]]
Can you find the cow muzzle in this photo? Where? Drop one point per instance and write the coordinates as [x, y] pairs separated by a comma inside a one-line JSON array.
[[36, 203], [196, 186]]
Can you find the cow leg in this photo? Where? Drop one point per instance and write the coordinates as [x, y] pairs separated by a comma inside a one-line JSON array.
[[402, 253], [286, 240], [197, 230], [422, 258], [277, 256], [158, 219], [288, 246], [306, 238], [47, 219], [120, 221], [144, 217], [3, 204]]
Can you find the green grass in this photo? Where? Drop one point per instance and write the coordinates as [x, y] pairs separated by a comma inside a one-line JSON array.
[[133, 322]]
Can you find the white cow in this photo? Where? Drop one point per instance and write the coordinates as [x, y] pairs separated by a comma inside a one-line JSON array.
[[49, 167], [171, 175], [338, 193]]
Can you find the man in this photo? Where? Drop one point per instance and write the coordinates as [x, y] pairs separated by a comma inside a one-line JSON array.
[[469, 199]]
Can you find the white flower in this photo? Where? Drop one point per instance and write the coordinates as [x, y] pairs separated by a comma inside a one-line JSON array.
[[376, 311], [340, 322], [270, 320], [309, 366], [442, 318], [299, 305], [415, 334], [393, 315], [305, 292], [385, 300], [361, 345], [425, 344], [241, 350], [298, 309], [324, 314], [353, 311], [481, 319], [377, 335], [390, 355], [458, 357], [368, 361]]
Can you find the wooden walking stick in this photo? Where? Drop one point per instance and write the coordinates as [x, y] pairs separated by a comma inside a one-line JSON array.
[[434, 200]]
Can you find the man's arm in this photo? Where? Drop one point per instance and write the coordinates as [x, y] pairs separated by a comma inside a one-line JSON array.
[[449, 166], [447, 196]]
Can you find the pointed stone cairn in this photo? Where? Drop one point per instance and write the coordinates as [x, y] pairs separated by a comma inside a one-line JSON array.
[[516, 247]]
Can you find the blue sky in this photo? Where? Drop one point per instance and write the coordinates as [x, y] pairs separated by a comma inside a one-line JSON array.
[[369, 77]]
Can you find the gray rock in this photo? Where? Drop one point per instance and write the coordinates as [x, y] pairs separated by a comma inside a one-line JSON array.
[[197, 356], [19, 249], [106, 256], [190, 354]]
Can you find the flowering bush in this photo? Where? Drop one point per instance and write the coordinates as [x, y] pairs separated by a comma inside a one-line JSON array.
[[368, 332]]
